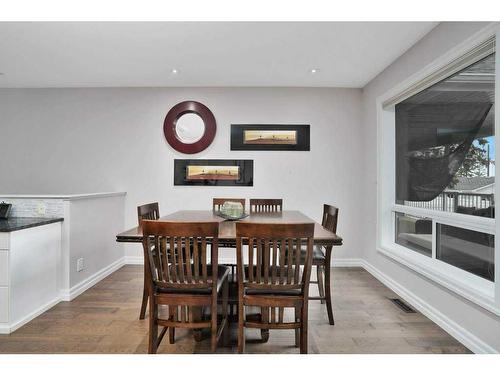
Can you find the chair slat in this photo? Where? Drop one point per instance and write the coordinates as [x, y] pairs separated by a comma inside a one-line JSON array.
[[173, 266], [297, 260], [250, 260], [282, 262], [164, 259], [274, 262], [266, 261], [180, 259], [290, 261], [204, 259], [187, 257], [258, 271], [196, 260]]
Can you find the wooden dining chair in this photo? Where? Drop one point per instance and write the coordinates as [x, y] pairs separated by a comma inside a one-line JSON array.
[[273, 279], [321, 260], [150, 211], [266, 205], [218, 202], [182, 279]]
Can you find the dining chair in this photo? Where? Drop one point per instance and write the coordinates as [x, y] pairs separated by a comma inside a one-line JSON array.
[[266, 205], [321, 260], [218, 202], [273, 279], [150, 211], [182, 279]]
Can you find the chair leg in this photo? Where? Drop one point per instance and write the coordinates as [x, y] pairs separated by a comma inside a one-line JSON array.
[[225, 320], [145, 296], [328, 293], [172, 311], [196, 317], [241, 328], [303, 329], [213, 328], [297, 330], [321, 287], [153, 327], [264, 333]]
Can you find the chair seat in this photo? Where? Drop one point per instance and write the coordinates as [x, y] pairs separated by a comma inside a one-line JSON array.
[[318, 254], [272, 292], [222, 274]]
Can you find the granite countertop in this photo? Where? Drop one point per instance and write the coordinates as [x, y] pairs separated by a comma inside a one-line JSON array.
[[17, 223]]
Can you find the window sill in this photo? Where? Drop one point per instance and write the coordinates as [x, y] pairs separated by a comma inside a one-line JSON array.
[[481, 294]]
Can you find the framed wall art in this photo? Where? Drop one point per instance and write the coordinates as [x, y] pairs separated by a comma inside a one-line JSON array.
[[270, 137], [213, 172]]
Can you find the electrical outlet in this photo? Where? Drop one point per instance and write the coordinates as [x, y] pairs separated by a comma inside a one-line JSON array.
[[80, 265], [41, 208]]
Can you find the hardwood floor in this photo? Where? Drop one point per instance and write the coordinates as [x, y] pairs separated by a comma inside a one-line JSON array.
[[104, 319]]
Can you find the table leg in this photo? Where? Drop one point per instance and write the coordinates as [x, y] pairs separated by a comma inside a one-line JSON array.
[[328, 292]]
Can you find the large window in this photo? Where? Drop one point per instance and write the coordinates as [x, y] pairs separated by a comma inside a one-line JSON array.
[[437, 175], [445, 160], [445, 144]]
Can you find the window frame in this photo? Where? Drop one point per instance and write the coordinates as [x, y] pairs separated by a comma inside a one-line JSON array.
[[472, 287]]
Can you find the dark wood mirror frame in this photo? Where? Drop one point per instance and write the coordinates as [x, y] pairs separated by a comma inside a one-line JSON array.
[[181, 109]]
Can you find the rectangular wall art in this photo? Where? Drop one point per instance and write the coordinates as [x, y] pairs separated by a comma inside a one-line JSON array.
[[213, 172], [270, 137]]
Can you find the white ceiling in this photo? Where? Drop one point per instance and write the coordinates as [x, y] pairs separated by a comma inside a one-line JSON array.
[[136, 54]]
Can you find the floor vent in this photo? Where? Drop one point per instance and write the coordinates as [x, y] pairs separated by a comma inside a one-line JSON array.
[[402, 305]]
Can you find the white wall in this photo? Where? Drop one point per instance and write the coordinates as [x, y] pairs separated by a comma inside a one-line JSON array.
[[92, 224], [87, 140], [479, 327]]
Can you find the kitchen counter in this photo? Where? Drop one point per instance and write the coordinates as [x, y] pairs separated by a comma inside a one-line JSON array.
[[17, 223]]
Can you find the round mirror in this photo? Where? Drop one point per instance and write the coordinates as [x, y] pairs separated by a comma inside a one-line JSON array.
[[189, 128]]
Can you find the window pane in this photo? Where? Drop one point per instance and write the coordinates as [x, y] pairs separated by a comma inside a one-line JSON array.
[[414, 233], [466, 249], [445, 144]]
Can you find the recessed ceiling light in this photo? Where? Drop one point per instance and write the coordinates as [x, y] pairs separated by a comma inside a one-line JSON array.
[[175, 71], [313, 71]]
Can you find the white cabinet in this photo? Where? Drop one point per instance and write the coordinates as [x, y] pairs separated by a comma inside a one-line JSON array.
[[28, 274]]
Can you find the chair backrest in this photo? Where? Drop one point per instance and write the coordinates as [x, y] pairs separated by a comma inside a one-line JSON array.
[[177, 254], [266, 205], [330, 217], [274, 255], [218, 202], [150, 211]]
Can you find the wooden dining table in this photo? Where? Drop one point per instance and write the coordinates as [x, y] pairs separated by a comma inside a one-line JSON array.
[[227, 233], [227, 228]]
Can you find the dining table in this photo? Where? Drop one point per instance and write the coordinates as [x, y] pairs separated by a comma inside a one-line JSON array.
[[227, 232], [227, 228]]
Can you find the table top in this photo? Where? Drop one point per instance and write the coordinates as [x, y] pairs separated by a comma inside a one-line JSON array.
[[17, 223], [227, 229]]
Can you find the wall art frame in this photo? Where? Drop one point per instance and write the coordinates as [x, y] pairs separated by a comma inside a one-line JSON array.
[[270, 137], [213, 172]]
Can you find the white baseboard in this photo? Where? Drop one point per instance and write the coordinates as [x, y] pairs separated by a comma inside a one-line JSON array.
[[347, 262], [6, 328], [462, 335], [70, 294], [128, 259]]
